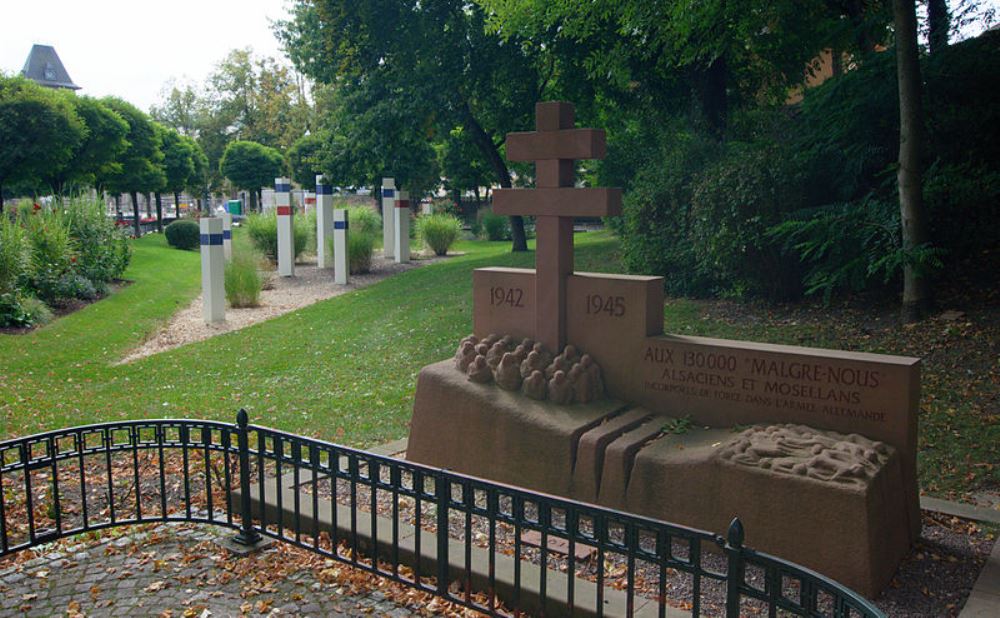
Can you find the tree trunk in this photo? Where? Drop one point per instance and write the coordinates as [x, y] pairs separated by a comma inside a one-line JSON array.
[[135, 214], [253, 201], [712, 97], [489, 149], [938, 24], [159, 213], [916, 289], [177, 206], [1, 199]]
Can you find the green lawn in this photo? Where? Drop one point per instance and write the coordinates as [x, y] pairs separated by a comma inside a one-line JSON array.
[[345, 369]]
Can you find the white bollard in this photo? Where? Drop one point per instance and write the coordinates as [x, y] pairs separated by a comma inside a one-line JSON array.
[[324, 223], [213, 271], [401, 228], [286, 231], [341, 266], [388, 204], [227, 234]]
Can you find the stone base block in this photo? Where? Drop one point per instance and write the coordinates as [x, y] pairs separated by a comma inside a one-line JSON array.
[[832, 502], [484, 431]]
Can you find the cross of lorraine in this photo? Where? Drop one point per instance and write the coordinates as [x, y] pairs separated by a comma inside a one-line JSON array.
[[554, 147]]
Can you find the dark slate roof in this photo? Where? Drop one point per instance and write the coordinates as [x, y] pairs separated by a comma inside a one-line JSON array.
[[43, 66]]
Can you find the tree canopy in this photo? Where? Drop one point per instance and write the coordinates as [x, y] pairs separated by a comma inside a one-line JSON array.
[[250, 165], [39, 131]]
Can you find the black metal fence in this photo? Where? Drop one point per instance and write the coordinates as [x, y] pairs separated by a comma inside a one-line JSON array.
[[495, 548]]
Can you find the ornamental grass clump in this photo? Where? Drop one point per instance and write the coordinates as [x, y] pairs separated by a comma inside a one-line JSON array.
[[262, 228], [365, 228], [244, 280], [439, 232]]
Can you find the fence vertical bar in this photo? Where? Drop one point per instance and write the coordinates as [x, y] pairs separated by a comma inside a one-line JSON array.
[[247, 535], [443, 488], [734, 572]]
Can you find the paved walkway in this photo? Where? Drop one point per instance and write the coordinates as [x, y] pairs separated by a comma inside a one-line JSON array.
[[181, 570]]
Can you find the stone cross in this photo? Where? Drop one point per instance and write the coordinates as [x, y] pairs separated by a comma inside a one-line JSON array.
[[554, 147]]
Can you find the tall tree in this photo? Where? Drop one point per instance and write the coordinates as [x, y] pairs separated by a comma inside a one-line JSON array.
[[916, 288], [39, 131], [408, 73], [250, 166], [141, 169], [98, 152], [200, 179], [178, 166]]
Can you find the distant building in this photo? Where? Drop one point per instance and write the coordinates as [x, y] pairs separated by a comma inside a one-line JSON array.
[[44, 67]]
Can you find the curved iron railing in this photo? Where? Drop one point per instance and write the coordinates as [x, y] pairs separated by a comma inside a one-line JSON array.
[[458, 537]]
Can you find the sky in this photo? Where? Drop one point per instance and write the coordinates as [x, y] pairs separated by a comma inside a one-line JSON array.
[[130, 49]]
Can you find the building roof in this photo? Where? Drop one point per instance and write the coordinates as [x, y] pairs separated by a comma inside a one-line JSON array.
[[44, 67]]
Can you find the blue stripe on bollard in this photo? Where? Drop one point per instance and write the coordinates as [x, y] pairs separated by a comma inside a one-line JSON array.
[[211, 239], [340, 225], [324, 190], [282, 188], [227, 234], [388, 192]]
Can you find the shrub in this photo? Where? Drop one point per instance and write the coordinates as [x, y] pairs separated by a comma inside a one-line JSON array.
[[439, 232], [22, 311], [51, 253], [12, 312], [733, 204], [183, 234], [13, 255], [495, 227], [72, 285], [103, 251], [262, 228], [243, 279]]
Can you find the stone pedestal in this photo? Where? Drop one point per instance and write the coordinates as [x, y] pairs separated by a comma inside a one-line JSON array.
[[286, 231], [388, 224], [401, 228], [324, 224], [341, 254], [826, 500], [227, 235], [213, 270]]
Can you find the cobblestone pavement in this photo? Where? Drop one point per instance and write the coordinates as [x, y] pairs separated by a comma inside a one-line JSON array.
[[181, 570]]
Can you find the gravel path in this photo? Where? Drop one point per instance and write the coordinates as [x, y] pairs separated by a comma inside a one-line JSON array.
[[282, 295]]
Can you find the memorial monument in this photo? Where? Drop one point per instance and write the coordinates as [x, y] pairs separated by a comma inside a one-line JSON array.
[[568, 385]]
